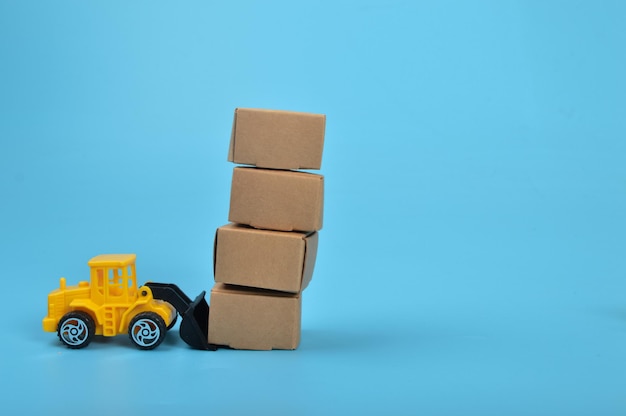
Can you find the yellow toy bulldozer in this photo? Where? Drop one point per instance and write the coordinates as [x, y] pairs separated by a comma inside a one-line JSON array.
[[112, 304]]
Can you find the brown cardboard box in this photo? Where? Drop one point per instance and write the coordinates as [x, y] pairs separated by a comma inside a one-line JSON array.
[[254, 319], [277, 199], [277, 139], [276, 260]]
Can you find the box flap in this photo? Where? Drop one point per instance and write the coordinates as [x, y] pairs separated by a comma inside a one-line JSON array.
[[309, 259], [231, 146]]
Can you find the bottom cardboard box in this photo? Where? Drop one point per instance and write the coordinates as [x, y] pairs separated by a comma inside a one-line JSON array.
[[254, 319]]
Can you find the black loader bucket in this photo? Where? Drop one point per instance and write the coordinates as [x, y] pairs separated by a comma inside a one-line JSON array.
[[194, 326]]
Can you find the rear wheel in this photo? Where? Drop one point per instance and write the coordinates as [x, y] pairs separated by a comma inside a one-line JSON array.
[[76, 329], [147, 330]]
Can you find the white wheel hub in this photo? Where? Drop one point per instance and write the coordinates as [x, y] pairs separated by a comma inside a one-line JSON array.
[[74, 331], [145, 332]]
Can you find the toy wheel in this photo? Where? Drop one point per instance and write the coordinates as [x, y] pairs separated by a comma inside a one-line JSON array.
[[171, 325], [76, 329], [147, 330]]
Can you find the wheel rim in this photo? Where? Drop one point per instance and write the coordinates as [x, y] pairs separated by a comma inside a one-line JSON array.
[[74, 331], [145, 332]]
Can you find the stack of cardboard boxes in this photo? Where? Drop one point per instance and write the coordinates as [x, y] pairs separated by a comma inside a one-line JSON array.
[[264, 258]]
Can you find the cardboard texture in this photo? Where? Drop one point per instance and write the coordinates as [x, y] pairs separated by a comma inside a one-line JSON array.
[[253, 319], [275, 260], [276, 199], [277, 139]]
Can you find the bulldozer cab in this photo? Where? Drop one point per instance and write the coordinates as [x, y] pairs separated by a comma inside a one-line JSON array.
[[113, 278]]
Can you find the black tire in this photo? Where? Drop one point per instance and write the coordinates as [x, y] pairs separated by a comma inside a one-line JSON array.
[[76, 329], [171, 325], [147, 330]]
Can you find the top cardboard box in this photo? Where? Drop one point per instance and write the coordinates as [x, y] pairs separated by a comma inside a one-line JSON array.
[[277, 139]]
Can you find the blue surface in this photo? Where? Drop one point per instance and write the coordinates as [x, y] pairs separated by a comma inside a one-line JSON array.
[[472, 256]]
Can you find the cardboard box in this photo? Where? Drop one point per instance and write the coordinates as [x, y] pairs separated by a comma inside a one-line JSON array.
[[277, 199], [276, 260], [277, 139], [254, 319]]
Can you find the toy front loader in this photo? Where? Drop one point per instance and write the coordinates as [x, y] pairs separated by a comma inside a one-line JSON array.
[[194, 326]]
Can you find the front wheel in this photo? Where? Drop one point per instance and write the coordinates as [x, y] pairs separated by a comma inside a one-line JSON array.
[[147, 330], [76, 329]]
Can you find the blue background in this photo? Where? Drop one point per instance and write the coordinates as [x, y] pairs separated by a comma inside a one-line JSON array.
[[472, 257]]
